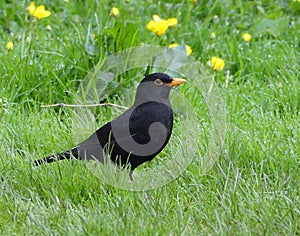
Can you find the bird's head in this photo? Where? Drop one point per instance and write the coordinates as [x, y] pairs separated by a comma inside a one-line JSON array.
[[156, 87]]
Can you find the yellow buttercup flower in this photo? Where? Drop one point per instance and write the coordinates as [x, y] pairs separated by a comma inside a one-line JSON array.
[[217, 63], [115, 12], [156, 18], [247, 37], [31, 8], [10, 46], [159, 26], [38, 12], [172, 22], [187, 48]]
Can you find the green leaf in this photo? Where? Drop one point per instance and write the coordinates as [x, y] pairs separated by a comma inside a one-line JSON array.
[[268, 26]]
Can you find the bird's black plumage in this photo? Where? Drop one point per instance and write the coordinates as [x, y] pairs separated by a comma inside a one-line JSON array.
[[138, 134]]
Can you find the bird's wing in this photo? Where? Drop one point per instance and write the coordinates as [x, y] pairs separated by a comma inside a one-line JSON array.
[[93, 147]]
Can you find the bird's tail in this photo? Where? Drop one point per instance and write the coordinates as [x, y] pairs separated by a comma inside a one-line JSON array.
[[58, 157]]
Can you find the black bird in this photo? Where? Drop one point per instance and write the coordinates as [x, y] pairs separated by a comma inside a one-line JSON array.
[[138, 134]]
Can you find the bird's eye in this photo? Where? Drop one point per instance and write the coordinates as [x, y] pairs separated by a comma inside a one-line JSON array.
[[158, 82]]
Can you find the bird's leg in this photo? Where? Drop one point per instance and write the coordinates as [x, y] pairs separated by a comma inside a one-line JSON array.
[[130, 175]]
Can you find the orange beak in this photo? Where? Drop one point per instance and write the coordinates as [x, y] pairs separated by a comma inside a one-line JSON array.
[[176, 81]]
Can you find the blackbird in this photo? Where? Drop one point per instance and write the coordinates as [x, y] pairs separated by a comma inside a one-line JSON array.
[[137, 135]]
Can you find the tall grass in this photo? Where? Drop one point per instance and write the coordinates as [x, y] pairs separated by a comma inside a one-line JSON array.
[[253, 188]]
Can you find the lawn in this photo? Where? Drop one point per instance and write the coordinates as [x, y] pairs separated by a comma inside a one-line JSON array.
[[251, 188]]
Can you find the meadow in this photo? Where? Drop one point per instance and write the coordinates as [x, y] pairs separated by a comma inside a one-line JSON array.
[[253, 186]]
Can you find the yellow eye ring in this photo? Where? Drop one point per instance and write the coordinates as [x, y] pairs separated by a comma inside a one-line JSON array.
[[158, 82]]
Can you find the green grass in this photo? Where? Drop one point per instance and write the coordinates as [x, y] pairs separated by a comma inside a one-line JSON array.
[[253, 188]]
